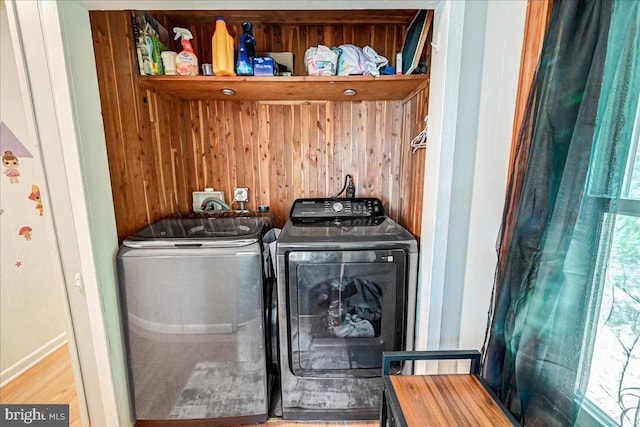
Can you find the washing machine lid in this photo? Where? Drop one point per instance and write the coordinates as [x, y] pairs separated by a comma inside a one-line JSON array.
[[199, 232], [387, 233]]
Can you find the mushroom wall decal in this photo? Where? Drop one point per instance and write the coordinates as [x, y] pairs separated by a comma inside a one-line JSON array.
[[25, 232]]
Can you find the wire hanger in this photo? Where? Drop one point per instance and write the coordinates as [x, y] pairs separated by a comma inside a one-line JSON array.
[[420, 141]]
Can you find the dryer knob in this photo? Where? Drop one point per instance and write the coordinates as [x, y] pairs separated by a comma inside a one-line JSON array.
[[338, 207]]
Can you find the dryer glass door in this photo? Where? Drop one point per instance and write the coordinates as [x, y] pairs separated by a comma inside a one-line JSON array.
[[345, 309]]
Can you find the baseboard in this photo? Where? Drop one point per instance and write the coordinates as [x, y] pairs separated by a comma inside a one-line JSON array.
[[17, 369]]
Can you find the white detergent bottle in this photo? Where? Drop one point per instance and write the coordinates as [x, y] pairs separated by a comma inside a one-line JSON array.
[[186, 61]]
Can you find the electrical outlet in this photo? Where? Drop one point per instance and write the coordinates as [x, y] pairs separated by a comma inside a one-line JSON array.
[[241, 194]]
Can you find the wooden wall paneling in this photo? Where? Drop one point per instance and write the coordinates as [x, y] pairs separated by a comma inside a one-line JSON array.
[[223, 144], [351, 154], [217, 156], [363, 35], [385, 137], [139, 153], [300, 170], [277, 42], [196, 140], [359, 153], [411, 198], [396, 186], [249, 145], [265, 163], [163, 150], [317, 153], [204, 169], [340, 119], [385, 169], [288, 171], [313, 172], [346, 138], [165, 158], [328, 149], [404, 198], [298, 35], [329, 35], [126, 127], [293, 43], [370, 148], [294, 17], [415, 186], [232, 140], [208, 158], [403, 173], [179, 156], [193, 120], [159, 122], [412, 167], [220, 158], [102, 42], [277, 144]]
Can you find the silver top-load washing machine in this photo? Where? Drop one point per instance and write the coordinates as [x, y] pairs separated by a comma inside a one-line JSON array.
[[346, 292], [192, 295]]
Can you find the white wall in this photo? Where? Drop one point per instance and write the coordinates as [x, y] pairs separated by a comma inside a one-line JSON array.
[[497, 98], [32, 316], [467, 163]]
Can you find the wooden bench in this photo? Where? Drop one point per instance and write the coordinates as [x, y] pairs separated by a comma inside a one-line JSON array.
[[439, 400]]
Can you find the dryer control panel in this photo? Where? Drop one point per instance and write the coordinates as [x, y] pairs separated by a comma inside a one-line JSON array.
[[325, 209]]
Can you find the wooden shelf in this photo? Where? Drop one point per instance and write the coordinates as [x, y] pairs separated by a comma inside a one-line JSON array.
[[303, 88]]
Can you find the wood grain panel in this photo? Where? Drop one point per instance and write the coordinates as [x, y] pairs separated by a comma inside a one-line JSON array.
[[146, 170], [162, 148], [283, 152], [447, 400], [296, 31], [112, 32], [299, 88], [289, 17], [411, 174]]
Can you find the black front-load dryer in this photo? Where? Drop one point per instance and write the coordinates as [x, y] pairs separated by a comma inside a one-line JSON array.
[[346, 292]]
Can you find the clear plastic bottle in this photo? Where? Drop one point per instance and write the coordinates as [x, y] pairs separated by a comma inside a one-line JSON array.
[[222, 50]]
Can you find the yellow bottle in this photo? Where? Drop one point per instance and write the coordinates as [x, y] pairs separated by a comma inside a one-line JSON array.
[[222, 50]]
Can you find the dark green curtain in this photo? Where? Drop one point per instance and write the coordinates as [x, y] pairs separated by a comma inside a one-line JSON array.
[[578, 130]]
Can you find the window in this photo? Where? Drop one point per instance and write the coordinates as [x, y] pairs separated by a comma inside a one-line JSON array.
[[612, 352]]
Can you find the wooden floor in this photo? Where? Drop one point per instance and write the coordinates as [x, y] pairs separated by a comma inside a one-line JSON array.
[[51, 381]]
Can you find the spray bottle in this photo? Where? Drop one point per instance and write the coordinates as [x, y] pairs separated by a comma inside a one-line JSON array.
[[246, 51], [222, 50], [186, 61]]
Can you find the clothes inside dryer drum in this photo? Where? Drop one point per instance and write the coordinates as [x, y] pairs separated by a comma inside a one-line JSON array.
[[353, 306]]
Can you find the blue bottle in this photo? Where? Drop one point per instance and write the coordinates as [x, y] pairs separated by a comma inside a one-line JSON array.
[[246, 51]]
